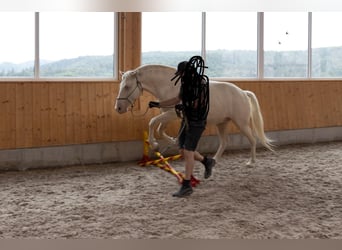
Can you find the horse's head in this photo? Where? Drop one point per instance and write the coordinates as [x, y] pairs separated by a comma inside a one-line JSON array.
[[130, 90]]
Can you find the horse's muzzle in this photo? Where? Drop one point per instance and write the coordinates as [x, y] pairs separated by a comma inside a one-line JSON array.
[[119, 108]]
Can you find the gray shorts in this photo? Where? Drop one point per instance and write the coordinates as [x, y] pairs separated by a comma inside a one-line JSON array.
[[190, 134]]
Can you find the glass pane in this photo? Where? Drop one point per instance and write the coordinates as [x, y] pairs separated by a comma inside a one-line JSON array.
[[170, 37], [77, 44], [231, 44], [326, 44], [285, 44], [17, 44]]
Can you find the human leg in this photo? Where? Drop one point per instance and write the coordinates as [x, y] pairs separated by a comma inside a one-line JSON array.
[[188, 141], [186, 188], [189, 163], [208, 163]]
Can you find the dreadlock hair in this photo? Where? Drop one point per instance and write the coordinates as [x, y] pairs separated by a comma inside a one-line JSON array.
[[195, 89]]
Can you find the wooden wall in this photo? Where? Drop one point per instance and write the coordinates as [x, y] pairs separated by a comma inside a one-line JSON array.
[[298, 104], [59, 113], [38, 113]]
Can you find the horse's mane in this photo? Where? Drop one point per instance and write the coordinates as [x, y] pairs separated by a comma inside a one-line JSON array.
[[145, 67], [153, 66]]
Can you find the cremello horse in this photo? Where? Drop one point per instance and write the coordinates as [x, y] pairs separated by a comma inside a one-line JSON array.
[[227, 102]]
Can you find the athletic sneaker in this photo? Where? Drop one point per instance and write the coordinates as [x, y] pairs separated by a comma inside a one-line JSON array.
[[185, 190], [208, 165]]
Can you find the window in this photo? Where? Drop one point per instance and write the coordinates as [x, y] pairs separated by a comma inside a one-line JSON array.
[[70, 45], [247, 44], [231, 44], [76, 44], [326, 44], [285, 44], [170, 37], [17, 44]]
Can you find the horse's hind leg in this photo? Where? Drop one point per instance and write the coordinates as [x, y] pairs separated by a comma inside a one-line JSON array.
[[247, 131], [221, 131]]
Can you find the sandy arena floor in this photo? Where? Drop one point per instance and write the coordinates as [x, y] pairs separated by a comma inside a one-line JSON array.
[[294, 194]]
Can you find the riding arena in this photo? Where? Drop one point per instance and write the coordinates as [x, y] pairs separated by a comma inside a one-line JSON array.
[[88, 159]]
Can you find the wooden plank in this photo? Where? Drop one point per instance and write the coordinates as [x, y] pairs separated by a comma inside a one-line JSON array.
[[20, 113], [320, 101], [308, 102], [76, 107], [270, 109], [284, 112], [45, 115], [85, 134], [11, 117], [7, 115], [329, 91], [293, 110], [60, 113], [70, 113], [37, 115], [100, 116], [337, 110], [28, 115], [53, 113], [108, 109], [92, 118]]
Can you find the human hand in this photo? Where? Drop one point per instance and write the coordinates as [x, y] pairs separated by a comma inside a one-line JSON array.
[[179, 107]]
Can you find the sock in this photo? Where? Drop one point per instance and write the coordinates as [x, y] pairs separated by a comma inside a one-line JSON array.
[[186, 183], [204, 161]]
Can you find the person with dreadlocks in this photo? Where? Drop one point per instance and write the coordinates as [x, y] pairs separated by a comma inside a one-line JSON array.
[[193, 103]]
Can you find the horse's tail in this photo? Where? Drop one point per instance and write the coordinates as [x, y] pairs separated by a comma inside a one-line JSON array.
[[258, 122]]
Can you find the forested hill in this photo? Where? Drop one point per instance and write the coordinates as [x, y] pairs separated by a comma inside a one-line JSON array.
[[326, 61], [84, 66]]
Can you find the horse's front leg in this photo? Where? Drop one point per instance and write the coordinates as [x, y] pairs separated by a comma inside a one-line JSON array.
[[169, 116], [159, 119]]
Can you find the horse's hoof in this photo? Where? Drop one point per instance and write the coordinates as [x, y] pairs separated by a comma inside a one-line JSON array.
[[154, 146], [250, 163], [174, 141]]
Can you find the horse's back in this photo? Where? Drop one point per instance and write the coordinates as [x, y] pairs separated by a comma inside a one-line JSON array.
[[227, 101], [227, 90]]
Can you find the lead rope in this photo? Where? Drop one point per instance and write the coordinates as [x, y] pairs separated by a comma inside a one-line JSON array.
[[139, 115]]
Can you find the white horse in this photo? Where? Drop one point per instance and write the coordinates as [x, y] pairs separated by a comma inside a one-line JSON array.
[[227, 102]]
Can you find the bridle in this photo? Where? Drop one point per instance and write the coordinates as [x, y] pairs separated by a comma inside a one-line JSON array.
[[138, 86]]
